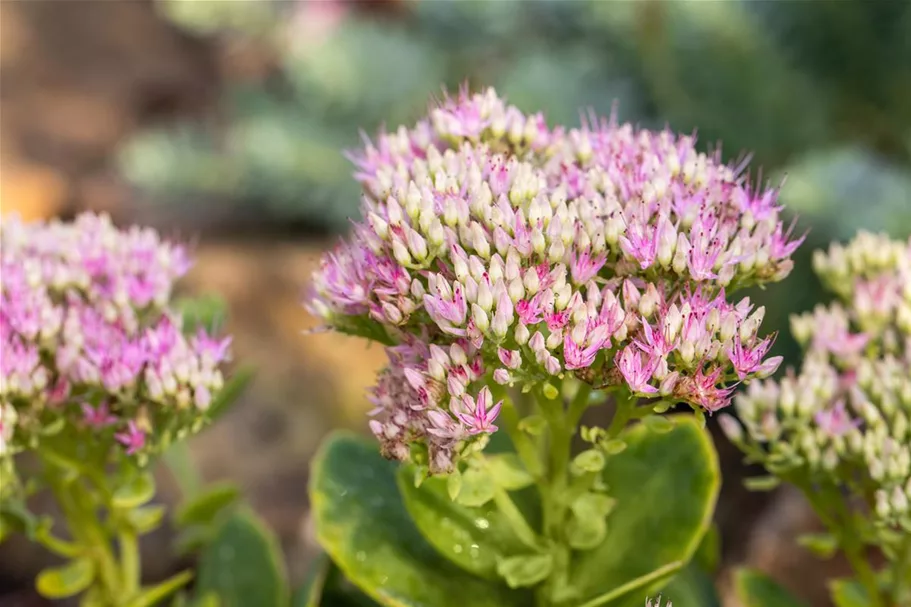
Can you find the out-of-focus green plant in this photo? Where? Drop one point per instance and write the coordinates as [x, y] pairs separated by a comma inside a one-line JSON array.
[[745, 72], [838, 429], [99, 375]]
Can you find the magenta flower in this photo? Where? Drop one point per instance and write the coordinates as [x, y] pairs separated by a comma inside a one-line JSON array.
[[97, 417], [133, 439], [212, 349], [584, 267], [582, 344], [748, 360], [703, 389], [480, 415], [835, 420], [637, 369]]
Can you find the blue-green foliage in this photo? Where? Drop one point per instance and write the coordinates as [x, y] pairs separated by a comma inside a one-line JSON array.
[[817, 90]]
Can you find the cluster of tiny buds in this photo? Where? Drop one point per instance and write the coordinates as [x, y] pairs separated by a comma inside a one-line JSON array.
[[604, 252], [847, 413], [88, 338]]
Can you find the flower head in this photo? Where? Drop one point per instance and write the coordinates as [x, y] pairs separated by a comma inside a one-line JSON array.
[[89, 339], [487, 230], [845, 416]]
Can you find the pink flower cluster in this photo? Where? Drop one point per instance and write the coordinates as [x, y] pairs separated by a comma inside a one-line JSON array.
[[846, 415], [87, 335], [496, 248]]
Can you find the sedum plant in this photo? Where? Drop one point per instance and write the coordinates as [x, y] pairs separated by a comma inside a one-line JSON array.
[[96, 379], [838, 428], [518, 273]]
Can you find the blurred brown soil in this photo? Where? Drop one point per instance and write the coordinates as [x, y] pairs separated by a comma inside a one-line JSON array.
[[77, 77]]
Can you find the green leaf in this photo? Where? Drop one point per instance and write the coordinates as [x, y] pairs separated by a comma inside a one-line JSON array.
[[65, 581], [593, 505], [533, 424], [658, 577], [708, 555], [43, 535], [477, 488], [138, 490], [361, 521], [848, 593], [208, 505], [327, 587], [587, 527], [762, 483], [209, 599], [525, 570], [692, 586], [454, 484], [614, 446], [507, 471], [823, 545], [243, 565], [658, 423], [143, 520], [15, 517], [155, 594], [590, 460], [311, 592], [472, 538], [180, 463], [207, 312], [665, 486], [54, 427], [367, 328], [193, 538], [755, 589], [585, 533]]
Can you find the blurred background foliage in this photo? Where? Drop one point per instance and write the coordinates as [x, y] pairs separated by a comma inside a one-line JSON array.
[[819, 92]]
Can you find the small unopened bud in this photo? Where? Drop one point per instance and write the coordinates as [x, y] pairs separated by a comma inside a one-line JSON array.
[[648, 303], [502, 377], [731, 428], [481, 320], [521, 334]]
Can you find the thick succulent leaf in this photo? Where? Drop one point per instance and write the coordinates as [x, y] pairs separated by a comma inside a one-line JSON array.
[[848, 593], [666, 486], [67, 580], [325, 586], [135, 492], [755, 589], [692, 586], [362, 522], [472, 538], [204, 508], [243, 565]]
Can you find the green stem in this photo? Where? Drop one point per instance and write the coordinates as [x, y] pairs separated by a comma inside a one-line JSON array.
[[129, 559], [521, 441], [79, 499], [516, 520], [624, 412], [842, 524], [901, 572], [578, 406], [86, 531], [560, 444]]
